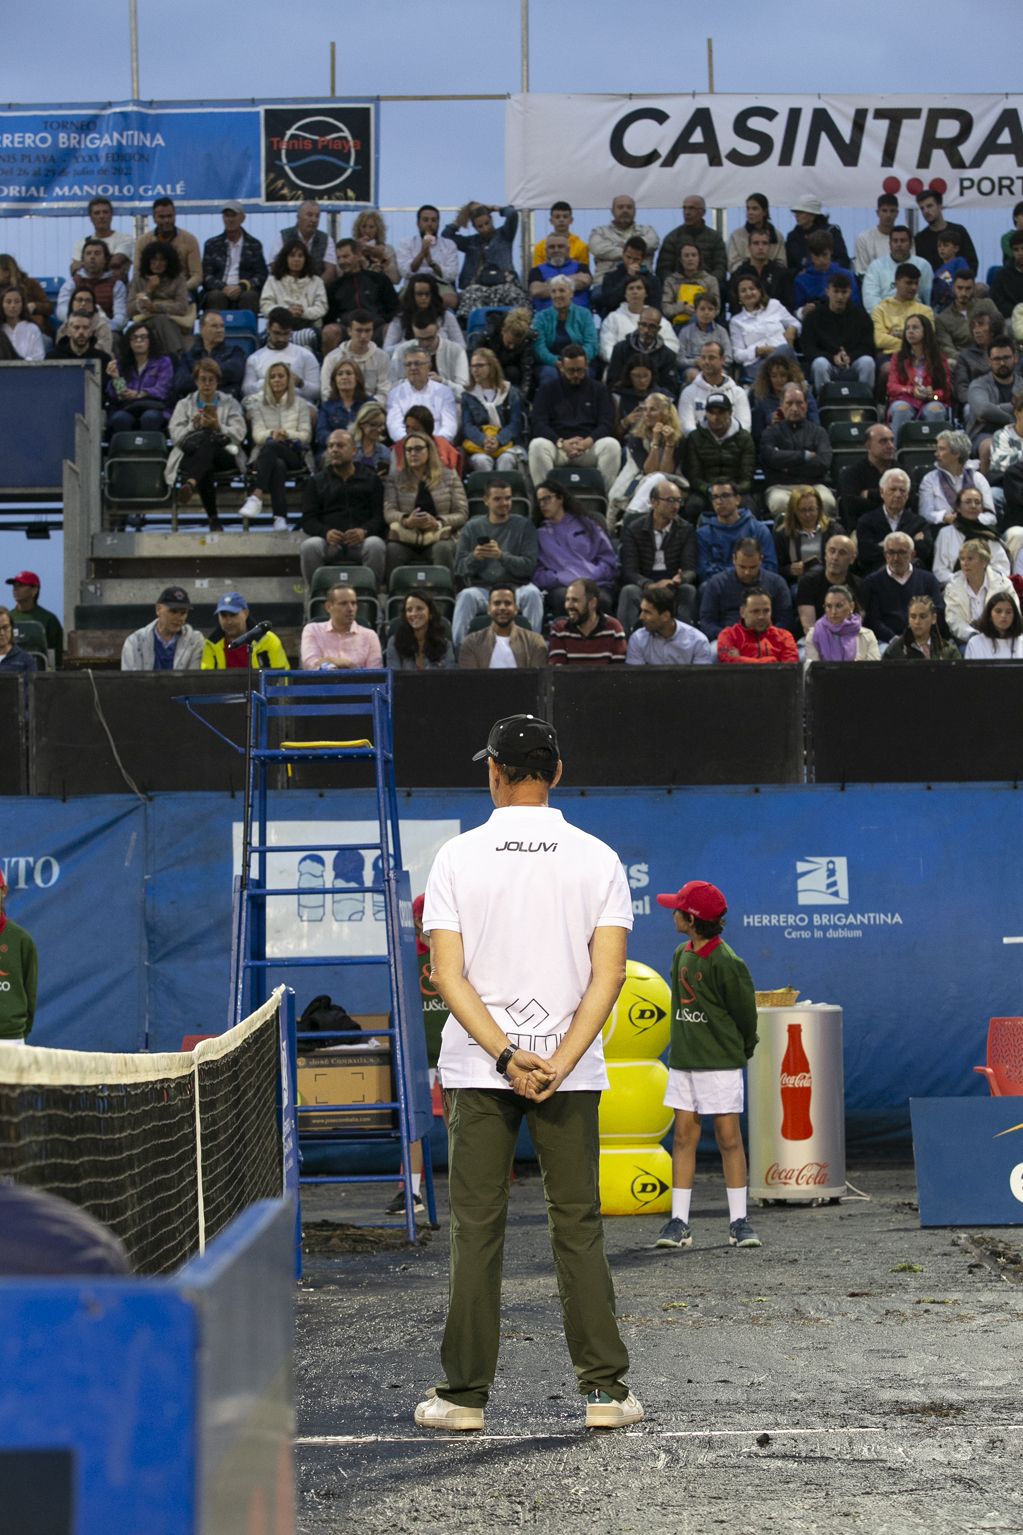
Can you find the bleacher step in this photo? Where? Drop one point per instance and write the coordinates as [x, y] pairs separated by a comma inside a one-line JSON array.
[[204, 589], [194, 543]]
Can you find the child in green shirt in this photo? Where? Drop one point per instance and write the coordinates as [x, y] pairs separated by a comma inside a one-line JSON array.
[[713, 1035]]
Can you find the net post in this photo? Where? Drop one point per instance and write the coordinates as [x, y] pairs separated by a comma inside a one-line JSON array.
[[199, 1204], [288, 1098]]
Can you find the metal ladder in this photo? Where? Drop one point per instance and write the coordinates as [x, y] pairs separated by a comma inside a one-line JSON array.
[[275, 700]]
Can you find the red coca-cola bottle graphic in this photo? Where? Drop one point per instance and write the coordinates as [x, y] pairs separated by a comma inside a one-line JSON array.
[[796, 1088]]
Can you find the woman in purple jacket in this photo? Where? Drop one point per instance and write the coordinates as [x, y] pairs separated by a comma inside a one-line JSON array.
[[139, 384], [572, 544]]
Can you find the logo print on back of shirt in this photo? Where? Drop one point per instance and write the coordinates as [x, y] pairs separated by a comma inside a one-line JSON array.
[[527, 847]]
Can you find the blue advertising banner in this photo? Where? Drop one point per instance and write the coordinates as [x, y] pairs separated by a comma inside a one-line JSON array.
[[969, 1160], [53, 159], [900, 904]]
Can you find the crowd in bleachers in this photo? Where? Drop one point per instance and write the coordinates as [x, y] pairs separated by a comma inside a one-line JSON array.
[[636, 451]]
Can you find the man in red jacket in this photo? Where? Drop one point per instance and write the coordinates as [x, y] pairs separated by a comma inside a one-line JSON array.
[[754, 638]]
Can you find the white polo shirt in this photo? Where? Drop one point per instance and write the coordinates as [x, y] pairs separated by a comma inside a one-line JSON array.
[[525, 890]]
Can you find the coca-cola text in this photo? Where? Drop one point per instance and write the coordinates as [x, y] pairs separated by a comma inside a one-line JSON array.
[[810, 1175]]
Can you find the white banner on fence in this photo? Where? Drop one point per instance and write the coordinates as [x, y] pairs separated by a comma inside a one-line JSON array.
[[844, 150]]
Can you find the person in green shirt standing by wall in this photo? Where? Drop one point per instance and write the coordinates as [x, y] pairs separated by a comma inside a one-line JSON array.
[[713, 1035], [19, 975], [435, 1014]]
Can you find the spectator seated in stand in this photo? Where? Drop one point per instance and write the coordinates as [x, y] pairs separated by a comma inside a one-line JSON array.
[[169, 643], [950, 267], [425, 507], [448, 362], [760, 328], [766, 394], [419, 418], [802, 534], [766, 269], [720, 529], [647, 344], [503, 644], [809, 219], [972, 361], [658, 552], [509, 335], [719, 452], [970, 587], [607, 242], [890, 315], [653, 449], [428, 254], [880, 276], [810, 285], [929, 203], [892, 516], [95, 274], [355, 287], [1007, 287], [561, 326], [758, 222], [488, 275], [341, 402], [281, 427], [159, 295], [693, 227], [989, 400], [636, 386], [83, 301], [1007, 461], [967, 524], [814, 585], [839, 634], [953, 325], [795, 452], [952, 473], [233, 265], [1017, 228], [721, 596], [703, 327], [140, 380], [25, 590], [887, 593], [570, 543], [711, 379], [874, 242], [370, 234], [999, 635], [556, 262], [281, 348], [586, 636], [919, 383], [493, 417], [207, 429], [121, 247], [837, 337], [12, 657], [25, 338], [210, 343], [38, 307], [495, 549], [316, 241], [420, 387], [683, 287], [573, 422], [922, 639], [633, 264], [78, 343], [234, 620], [166, 232], [340, 643], [625, 319], [662, 639], [420, 640], [343, 514], [369, 431], [859, 483], [561, 226], [422, 303], [294, 286], [754, 640], [359, 347]]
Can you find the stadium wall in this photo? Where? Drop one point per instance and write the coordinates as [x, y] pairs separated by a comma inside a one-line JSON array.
[[892, 901]]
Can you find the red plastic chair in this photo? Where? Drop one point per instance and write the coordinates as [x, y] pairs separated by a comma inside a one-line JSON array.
[[1004, 1069]]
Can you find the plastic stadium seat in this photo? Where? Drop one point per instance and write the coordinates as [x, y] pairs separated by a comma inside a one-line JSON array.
[[992, 273], [359, 577], [587, 485], [839, 401], [239, 321], [436, 580], [848, 444], [1004, 1069], [31, 636], [476, 488], [915, 447], [478, 317], [134, 470]]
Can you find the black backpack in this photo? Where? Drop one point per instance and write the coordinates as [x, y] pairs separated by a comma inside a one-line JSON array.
[[322, 1016]]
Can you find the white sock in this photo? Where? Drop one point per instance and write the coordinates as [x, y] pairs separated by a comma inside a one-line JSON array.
[[680, 1201], [417, 1179], [736, 1205]]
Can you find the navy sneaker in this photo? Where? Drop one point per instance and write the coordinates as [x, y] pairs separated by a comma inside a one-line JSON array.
[[675, 1233], [741, 1234], [397, 1204]]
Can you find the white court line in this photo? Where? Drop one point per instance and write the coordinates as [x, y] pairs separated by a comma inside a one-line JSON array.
[[1013, 940], [633, 1433]]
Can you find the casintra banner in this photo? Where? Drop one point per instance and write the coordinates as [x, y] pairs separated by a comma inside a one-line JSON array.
[[844, 150]]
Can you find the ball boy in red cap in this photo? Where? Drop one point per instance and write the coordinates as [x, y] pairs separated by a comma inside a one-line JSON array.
[[713, 1035]]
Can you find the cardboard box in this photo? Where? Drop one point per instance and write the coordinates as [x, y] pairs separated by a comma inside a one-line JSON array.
[[346, 1075]]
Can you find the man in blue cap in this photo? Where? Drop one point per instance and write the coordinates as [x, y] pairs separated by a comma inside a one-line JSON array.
[[222, 650]]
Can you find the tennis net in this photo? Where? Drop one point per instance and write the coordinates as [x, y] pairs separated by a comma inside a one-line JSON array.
[[164, 1149]]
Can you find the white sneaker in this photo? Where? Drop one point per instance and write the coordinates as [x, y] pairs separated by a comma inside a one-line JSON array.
[[252, 506], [602, 1411], [435, 1412], [280, 525]]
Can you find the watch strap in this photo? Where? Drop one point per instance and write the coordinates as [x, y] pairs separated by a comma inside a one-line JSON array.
[[502, 1060]]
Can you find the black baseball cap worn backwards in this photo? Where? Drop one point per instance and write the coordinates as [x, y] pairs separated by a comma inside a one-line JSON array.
[[523, 741]]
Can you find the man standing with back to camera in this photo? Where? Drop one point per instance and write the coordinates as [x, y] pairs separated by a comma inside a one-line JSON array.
[[528, 920]]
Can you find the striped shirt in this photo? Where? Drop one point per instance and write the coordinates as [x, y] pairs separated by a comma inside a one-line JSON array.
[[567, 646]]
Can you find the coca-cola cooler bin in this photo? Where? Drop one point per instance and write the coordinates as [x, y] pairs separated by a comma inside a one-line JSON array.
[[796, 1105]]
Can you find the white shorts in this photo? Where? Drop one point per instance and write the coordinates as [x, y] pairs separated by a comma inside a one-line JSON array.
[[705, 1092]]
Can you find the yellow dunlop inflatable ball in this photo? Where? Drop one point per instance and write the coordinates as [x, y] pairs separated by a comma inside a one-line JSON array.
[[638, 1027], [635, 1180], [632, 1109]]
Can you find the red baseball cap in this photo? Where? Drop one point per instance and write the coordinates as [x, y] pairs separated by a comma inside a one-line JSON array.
[[24, 578], [417, 912], [698, 899]]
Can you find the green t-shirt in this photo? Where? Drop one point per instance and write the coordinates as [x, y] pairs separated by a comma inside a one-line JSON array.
[[19, 975], [713, 1009], [435, 1011]]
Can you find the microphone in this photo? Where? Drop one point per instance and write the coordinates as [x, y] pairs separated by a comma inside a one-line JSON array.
[[255, 633]]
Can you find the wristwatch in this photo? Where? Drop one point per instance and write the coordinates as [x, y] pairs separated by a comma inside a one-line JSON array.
[[502, 1060]]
